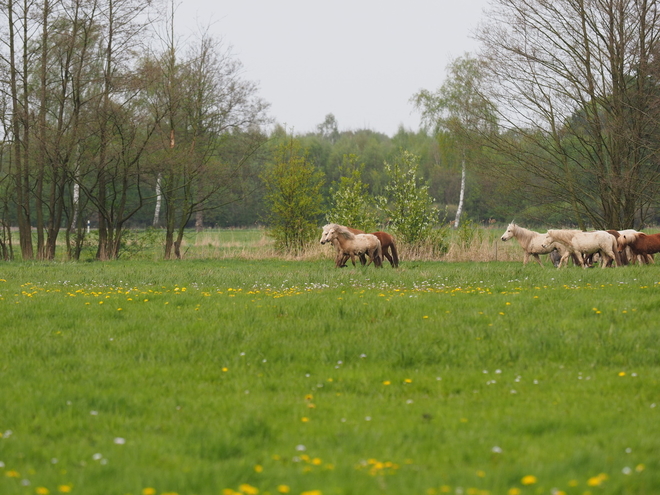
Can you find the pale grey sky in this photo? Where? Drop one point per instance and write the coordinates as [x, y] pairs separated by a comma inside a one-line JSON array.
[[360, 60]]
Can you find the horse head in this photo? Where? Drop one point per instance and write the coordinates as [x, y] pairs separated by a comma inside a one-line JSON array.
[[328, 233], [549, 241], [509, 232]]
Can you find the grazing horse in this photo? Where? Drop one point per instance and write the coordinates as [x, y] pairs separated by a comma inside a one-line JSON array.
[[531, 242], [354, 244], [642, 245], [585, 243]]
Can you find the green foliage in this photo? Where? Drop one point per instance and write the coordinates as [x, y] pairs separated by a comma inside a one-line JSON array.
[[352, 205], [293, 197], [407, 205], [467, 232]]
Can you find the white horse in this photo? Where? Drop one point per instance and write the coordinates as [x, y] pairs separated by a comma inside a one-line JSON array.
[[585, 243], [352, 244], [531, 242]]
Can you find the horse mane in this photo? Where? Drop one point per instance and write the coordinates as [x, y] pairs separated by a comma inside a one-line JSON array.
[[521, 233], [343, 231]]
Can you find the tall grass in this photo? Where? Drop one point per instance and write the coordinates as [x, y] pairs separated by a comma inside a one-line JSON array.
[[237, 376]]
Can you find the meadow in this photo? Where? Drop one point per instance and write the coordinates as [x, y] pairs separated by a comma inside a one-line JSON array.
[[266, 376]]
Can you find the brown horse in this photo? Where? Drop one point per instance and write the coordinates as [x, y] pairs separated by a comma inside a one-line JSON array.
[[640, 244], [389, 247]]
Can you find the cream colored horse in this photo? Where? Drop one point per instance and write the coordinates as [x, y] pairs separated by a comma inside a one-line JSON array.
[[531, 242], [340, 258], [585, 243], [353, 244]]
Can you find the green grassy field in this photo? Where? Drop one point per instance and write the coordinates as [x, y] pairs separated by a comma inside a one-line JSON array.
[[230, 376]]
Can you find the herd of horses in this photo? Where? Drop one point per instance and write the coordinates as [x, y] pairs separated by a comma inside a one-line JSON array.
[[354, 243], [620, 247], [613, 247]]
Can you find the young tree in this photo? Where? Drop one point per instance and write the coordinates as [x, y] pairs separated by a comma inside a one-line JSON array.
[[293, 195], [459, 108], [407, 206], [352, 205]]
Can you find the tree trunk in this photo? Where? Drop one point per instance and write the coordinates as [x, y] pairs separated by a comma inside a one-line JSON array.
[[459, 210]]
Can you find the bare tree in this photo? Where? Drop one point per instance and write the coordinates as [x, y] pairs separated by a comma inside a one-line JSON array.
[[205, 100], [576, 84]]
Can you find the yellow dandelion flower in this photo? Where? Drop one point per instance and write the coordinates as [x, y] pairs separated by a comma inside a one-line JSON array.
[[283, 489], [248, 489], [594, 481], [514, 491], [312, 492], [149, 491], [12, 474], [640, 467], [530, 479], [407, 380], [622, 373], [309, 397], [387, 382], [316, 461], [481, 474], [64, 488], [304, 419], [41, 490], [258, 468], [445, 489]]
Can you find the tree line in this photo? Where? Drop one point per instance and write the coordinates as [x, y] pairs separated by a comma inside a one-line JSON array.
[[109, 120]]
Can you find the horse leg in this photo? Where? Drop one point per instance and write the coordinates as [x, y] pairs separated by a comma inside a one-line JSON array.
[[388, 256], [395, 256], [538, 259]]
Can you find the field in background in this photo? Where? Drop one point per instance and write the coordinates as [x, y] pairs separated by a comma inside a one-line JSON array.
[[475, 243], [271, 376]]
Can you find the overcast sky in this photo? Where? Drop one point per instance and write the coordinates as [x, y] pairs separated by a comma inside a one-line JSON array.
[[361, 60]]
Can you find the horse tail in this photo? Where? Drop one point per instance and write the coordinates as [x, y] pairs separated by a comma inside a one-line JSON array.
[[395, 255]]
